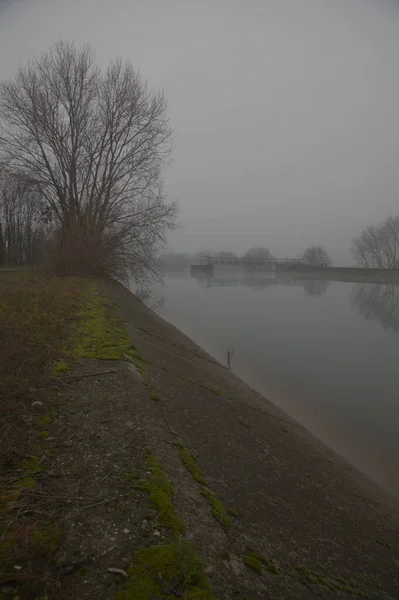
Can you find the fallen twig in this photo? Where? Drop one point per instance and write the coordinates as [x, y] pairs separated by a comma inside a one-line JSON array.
[[102, 502], [98, 373], [105, 477], [44, 495]]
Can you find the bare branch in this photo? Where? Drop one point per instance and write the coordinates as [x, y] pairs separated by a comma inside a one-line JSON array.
[[93, 145]]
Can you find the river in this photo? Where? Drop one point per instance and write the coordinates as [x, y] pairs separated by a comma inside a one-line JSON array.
[[327, 353]]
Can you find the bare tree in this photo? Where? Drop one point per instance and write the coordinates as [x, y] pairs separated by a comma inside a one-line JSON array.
[[94, 144], [316, 256], [20, 219], [378, 245], [259, 254]]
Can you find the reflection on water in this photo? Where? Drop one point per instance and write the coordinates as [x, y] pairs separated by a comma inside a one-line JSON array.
[[261, 281], [316, 348], [315, 287], [379, 302]]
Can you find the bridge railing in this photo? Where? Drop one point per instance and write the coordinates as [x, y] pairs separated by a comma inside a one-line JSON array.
[[243, 261]]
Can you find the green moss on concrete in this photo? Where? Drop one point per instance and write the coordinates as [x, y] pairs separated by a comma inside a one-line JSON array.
[[218, 509], [334, 583], [60, 367], [25, 483], [32, 466], [263, 559], [48, 538], [253, 563], [43, 420], [273, 568], [254, 558], [159, 571], [99, 332], [190, 462], [160, 490]]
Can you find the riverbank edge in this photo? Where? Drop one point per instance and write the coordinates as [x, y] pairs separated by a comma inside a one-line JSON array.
[[150, 332]]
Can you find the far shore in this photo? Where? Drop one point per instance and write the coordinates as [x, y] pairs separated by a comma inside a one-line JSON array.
[[344, 274]]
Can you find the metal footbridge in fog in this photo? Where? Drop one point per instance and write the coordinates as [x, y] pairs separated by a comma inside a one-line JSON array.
[[269, 263]]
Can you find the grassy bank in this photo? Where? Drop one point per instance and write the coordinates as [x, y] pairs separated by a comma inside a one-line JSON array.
[[59, 335], [36, 316]]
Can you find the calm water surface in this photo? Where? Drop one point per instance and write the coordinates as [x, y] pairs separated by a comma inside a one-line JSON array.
[[326, 352]]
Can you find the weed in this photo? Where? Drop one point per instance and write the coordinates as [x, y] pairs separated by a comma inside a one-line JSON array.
[[224, 555], [155, 397], [230, 352]]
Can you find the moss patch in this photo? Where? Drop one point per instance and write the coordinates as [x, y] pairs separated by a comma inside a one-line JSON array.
[[253, 563], [190, 462], [48, 538], [99, 332], [334, 583], [60, 367], [32, 466], [257, 562], [218, 509], [160, 490], [25, 483], [160, 571]]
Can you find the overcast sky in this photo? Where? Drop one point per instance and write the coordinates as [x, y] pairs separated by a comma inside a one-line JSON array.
[[285, 111]]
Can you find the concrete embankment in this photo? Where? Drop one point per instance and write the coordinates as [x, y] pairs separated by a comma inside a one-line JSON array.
[[275, 512]]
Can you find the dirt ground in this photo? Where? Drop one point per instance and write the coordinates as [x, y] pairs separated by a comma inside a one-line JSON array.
[[315, 526]]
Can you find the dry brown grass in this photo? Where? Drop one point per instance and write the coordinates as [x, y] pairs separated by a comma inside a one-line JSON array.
[[35, 314]]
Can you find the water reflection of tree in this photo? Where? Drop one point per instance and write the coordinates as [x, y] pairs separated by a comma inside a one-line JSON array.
[[378, 302], [315, 287]]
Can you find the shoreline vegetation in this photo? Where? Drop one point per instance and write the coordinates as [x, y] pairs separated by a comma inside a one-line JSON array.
[[135, 467]]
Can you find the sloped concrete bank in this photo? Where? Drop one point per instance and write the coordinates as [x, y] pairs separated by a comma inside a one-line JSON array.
[[276, 513]]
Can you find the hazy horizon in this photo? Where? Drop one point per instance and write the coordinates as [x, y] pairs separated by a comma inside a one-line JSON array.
[[285, 111]]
